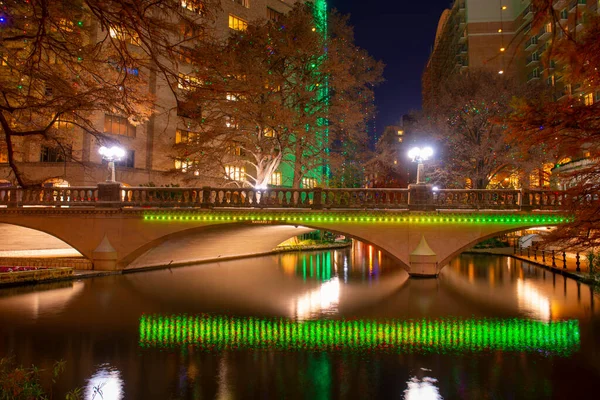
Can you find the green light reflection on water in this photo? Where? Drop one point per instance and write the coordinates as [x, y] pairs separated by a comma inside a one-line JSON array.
[[424, 335]]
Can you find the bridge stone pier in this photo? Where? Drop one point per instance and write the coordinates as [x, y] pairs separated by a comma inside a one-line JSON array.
[[138, 227]]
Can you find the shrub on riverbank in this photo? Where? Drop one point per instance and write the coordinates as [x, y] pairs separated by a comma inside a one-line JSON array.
[[20, 383], [593, 262]]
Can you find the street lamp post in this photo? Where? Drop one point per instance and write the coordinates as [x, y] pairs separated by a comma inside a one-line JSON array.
[[419, 155], [111, 154]]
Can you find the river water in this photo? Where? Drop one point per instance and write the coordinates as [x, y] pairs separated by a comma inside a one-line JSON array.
[[321, 325]]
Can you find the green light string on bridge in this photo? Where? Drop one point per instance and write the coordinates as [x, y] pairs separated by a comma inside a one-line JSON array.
[[424, 335], [284, 218]]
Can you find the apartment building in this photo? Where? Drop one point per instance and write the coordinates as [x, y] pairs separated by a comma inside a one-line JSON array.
[[149, 158], [498, 35]]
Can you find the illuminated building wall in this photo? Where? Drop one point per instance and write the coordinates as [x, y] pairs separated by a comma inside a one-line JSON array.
[[445, 335]]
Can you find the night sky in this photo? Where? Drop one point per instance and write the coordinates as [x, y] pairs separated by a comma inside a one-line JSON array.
[[401, 34]]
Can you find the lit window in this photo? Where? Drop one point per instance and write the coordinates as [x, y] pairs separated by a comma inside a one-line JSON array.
[[275, 179], [124, 35], [245, 3], [183, 136], [230, 122], [64, 124], [400, 140], [309, 183], [3, 153], [235, 149], [237, 23], [234, 97], [196, 6], [400, 133], [65, 25], [269, 132], [188, 82], [588, 99], [116, 125], [235, 173], [186, 165]]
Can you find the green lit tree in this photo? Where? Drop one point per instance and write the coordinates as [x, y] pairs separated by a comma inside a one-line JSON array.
[[276, 95]]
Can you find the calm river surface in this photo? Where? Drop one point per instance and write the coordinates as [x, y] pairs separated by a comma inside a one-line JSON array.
[[323, 325]]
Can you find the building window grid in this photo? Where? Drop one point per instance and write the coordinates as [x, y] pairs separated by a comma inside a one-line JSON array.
[[187, 165], [119, 33], [188, 82], [235, 173], [184, 136], [50, 154], [236, 23], [309, 183], [275, 179], [116, 125]]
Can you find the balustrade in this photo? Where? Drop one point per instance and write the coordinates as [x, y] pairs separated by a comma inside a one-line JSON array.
[[476, 199], [317, 198]]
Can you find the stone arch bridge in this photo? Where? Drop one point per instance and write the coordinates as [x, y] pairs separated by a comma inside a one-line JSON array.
[[117, 227]]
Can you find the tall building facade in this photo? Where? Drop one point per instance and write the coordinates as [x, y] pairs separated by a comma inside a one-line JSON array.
[[149, 155], [499, 35]]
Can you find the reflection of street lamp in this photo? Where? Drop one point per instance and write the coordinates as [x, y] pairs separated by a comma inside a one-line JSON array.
[[419, 155], [111, 155]]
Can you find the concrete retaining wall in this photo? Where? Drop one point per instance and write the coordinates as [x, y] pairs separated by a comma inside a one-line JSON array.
[[40, 275], [74, 263]]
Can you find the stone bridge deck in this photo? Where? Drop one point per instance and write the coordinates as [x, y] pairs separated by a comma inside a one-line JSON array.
[[116, 227]]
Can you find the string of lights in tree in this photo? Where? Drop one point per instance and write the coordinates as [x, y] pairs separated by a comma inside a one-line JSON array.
[[421, 335]]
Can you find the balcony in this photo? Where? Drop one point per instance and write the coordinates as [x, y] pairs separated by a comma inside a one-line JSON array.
[[564, 15], [531, 43], [528, 13], [534, 75], [576, 4], [546, 32], [533, 59]]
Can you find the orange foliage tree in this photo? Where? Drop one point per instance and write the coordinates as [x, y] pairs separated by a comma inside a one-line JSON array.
[[63, 60], [571, 125]]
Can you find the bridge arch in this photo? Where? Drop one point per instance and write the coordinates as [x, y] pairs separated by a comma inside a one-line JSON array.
[[18, 236], [446, 260], [211, 242]]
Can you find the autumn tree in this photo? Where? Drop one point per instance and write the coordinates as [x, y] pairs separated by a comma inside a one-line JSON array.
[[468, 121], [568, 120], [277, 93], [63, 60]]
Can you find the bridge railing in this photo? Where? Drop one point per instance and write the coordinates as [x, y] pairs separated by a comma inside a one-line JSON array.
[[476, 199], [420, 198], [54, 196]]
